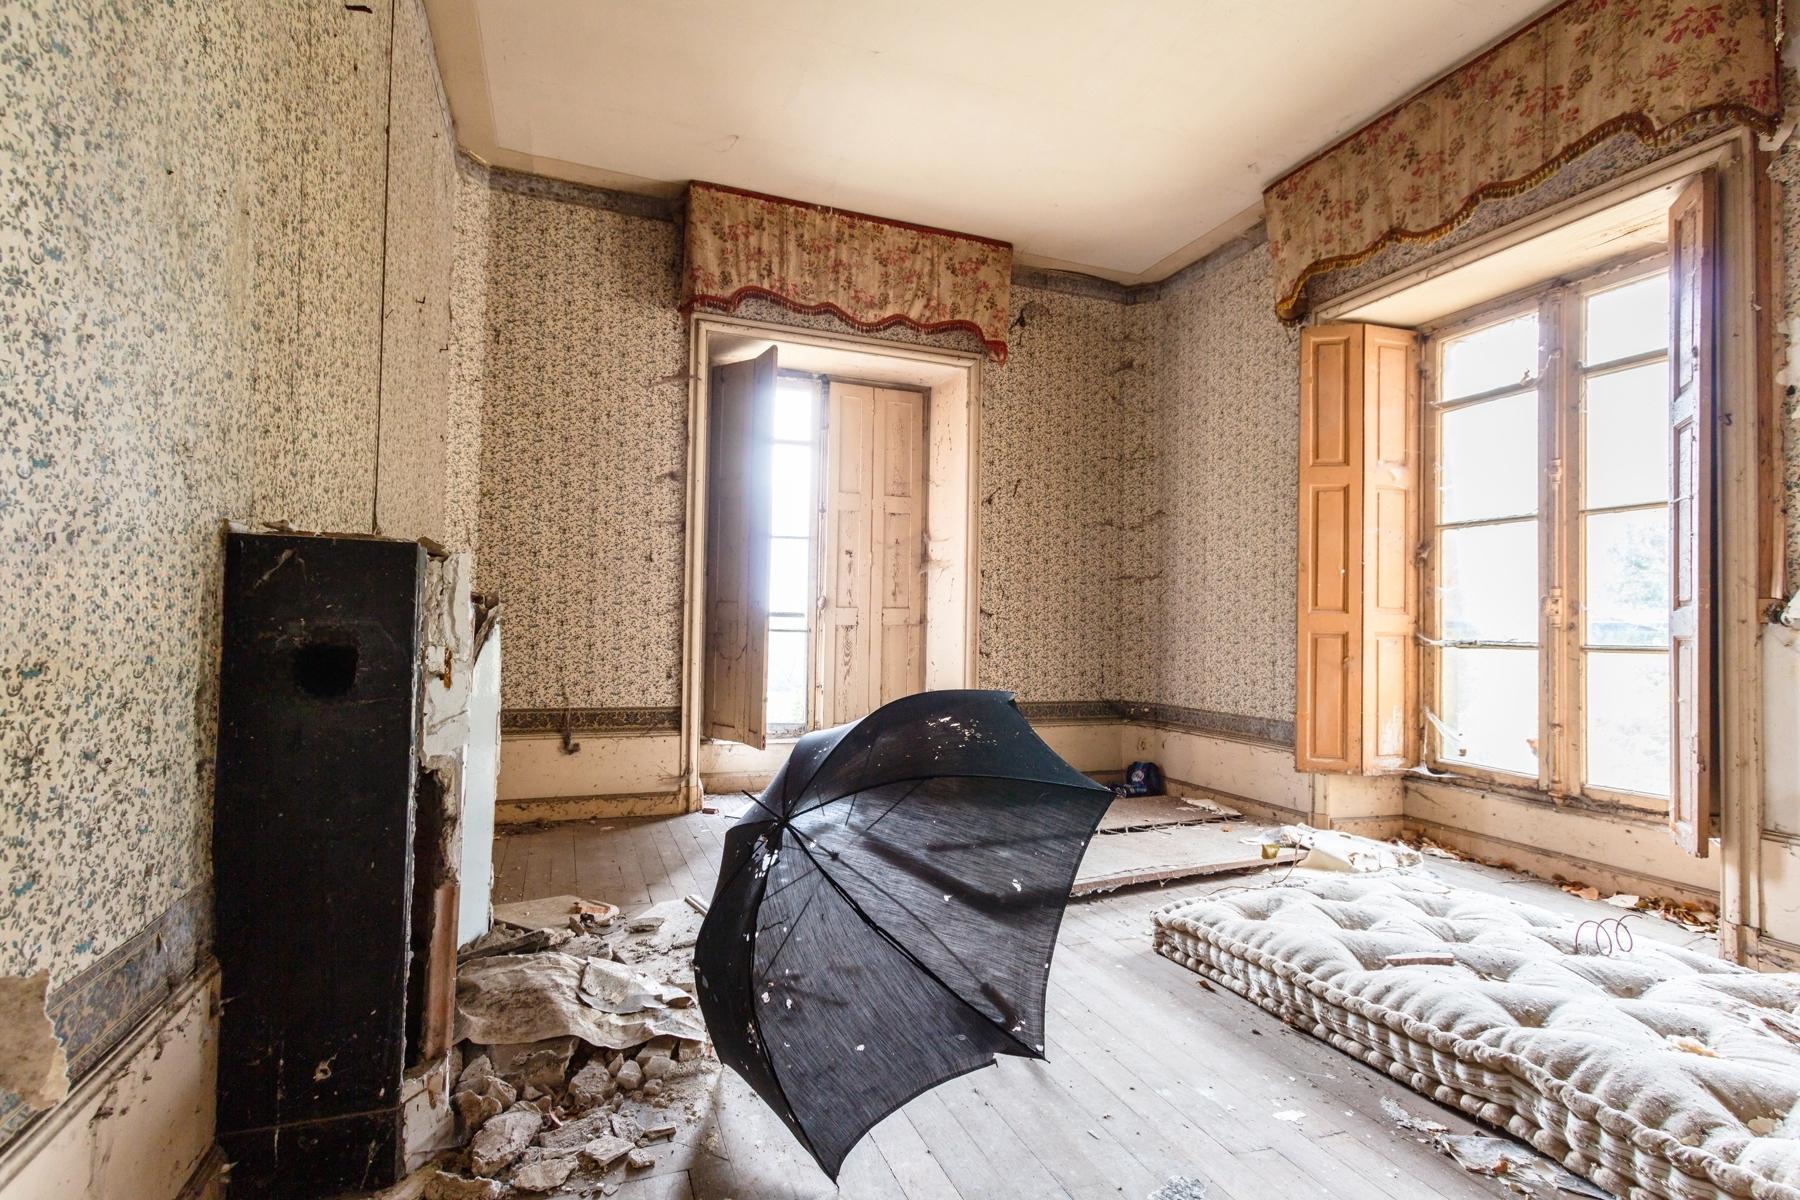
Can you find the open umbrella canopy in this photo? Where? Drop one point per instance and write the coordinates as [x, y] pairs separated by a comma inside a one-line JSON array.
[[886, 911]]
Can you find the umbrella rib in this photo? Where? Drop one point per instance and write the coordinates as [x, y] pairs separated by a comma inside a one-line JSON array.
[[890, 939], [917, 784], [768, 1055]]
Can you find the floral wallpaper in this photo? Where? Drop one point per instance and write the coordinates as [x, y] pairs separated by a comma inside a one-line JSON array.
[[583, 452], [414, 430], [1214, 525], [190, 332], [583, 449]]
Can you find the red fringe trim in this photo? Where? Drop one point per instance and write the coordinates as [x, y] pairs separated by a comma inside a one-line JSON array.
[[1289, 306], [730, 303]]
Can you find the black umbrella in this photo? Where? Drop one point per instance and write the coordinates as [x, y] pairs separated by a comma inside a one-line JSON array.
[[886, 911]]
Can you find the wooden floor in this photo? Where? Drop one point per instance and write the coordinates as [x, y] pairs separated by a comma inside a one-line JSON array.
[[1150, 1078]]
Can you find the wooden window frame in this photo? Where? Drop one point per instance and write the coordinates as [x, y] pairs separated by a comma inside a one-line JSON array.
[[1561, 567]]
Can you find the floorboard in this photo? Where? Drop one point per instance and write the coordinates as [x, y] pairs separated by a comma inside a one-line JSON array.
[[1149, 1076]]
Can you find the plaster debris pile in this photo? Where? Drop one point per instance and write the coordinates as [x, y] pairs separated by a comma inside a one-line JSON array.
[[585, 1058]]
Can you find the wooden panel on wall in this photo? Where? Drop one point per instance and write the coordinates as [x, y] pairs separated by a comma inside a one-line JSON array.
[[898, 561], [1358, 584], [741, 406], [1692, 257], [1390, 657], [845, 624], [1328, 695], [872, 618]]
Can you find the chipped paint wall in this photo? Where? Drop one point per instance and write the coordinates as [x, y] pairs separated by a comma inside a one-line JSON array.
[[583, 453], [205, 201]]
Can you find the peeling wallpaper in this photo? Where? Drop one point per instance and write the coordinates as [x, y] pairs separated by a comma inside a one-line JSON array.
[[583, 450], [1785, 170], [191, 330]]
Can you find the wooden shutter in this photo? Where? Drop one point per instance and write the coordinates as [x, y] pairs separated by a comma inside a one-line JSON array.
[[1356, 673], [741, 408], [872, 618], [897, 562], [1390, 674], [844, 622], [1692, 259]]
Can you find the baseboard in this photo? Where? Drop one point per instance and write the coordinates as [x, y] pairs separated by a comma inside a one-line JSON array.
[[139, 1125], [1555, 865], [549, 809]]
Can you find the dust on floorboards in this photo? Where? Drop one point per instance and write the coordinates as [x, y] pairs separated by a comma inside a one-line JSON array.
[[1149, 1077]]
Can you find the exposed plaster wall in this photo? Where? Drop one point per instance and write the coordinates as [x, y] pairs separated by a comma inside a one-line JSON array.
[[205, 200]]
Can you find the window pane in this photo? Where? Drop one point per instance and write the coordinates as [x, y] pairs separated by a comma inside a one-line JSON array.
[[1488, 581], [787, 678], [788, 621], [1628, 722], [787, 575], [1489, 463], [790, 490], [1491, 358], [1627, 436], [1633, 319], [794, 411], [1490, 709], [1628, 578]]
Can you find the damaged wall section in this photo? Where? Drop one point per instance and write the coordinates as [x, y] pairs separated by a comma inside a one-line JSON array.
[[200, 337]]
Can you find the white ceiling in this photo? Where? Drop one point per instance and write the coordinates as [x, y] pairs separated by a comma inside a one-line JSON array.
[[1124, 138]]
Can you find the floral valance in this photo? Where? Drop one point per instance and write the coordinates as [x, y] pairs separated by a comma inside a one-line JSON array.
[[1584, 71], [871, 272]]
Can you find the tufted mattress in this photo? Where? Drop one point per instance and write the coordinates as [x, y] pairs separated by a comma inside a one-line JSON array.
[[1653, 1071]]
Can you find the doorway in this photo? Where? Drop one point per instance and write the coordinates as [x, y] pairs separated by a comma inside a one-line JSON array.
[[832, 569]]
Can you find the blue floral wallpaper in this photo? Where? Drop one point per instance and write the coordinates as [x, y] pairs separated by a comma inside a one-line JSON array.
[[200, 199]]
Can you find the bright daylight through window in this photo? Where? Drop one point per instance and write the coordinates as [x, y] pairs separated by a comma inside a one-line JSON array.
[[1550, 555], [790, 552]]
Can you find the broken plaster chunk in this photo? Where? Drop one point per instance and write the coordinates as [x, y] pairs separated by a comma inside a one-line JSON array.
[[657, 1067], [445, 1186], [590, 1085], [574, 1134], [646, 923], [545, 1175], [602, 1152], [503, 1139], [631, 1076], [474, 1109], [542, 1065], [658, 1130], [626, 1127], [33, 1065], [639, 1160]]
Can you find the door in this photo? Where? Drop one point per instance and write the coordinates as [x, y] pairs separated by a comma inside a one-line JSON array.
[[741, 406], [871, 628]]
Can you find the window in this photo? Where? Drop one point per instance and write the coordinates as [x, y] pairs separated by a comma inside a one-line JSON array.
[[1548, 519], [791, 521]]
